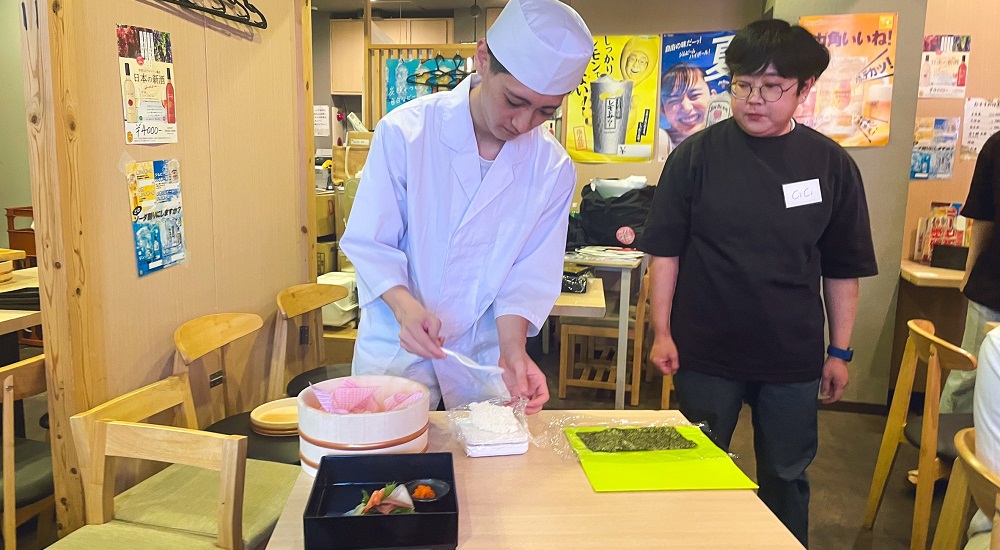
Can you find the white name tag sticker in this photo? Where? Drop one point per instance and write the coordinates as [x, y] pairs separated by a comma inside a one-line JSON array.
[[802, 193]]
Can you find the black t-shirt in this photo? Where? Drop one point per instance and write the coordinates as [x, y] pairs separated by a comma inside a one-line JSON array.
[[984, 204], [747, 303]]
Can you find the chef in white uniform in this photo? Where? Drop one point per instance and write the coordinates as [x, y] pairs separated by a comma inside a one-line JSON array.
[[458, 228]]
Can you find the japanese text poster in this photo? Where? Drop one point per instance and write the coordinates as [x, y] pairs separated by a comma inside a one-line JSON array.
[[146, 64], [934, 142], [694, 86], [408, 79], [944, 66], [852, 100], [982, 120], [611, 115], [154, 189]]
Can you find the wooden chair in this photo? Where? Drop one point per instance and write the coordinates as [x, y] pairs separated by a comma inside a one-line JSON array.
[[204, 349], [603, 374], [27, 464], [294, 302], [211, 496], [969, 477], [933, 433]]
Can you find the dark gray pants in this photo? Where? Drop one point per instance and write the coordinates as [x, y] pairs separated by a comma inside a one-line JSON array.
[[784, 434]]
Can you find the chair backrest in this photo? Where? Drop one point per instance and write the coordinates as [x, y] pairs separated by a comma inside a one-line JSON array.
[[113, 430], [20, 380], [983, 482], [206, 338], [293, 302], [641, 305]]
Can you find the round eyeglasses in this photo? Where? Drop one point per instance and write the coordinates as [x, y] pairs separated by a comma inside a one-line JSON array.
[[768, 92]]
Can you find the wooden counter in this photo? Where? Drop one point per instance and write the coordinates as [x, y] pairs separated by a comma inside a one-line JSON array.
[[543, 500], [588, 304], [10, 319], [927, 276]]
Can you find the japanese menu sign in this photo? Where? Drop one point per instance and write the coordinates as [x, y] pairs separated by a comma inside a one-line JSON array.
[[982, 120], [944, 66], [146, 63], [852, 101], [694, 86], [154, 190], [934, 142], [611, 116]]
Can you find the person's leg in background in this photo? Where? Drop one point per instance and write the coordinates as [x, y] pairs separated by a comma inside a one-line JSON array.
[[956, 396], [710, 399], [785, 440]]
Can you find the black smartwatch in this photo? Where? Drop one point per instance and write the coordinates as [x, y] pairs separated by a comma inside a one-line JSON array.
[[845, 354]]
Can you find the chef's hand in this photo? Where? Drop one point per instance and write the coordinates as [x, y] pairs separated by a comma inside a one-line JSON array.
[[831, 386], [663, 354], [418, 328], [523, 378]]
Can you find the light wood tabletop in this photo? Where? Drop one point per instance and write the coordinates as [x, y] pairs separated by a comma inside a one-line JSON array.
[[11, 319], [543, 500], [587, 304], [927, 276]]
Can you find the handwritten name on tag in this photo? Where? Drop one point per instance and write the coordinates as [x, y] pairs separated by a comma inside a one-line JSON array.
[[802, 193]]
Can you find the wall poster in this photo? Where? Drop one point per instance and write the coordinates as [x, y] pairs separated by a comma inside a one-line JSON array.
[[154, 189], [145, 64], [694, 86], [611, 115], [934, 142], [408, 79], [944, 66], [852, 100], [982, 120]]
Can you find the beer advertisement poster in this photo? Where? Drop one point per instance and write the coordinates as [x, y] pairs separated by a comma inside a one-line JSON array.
[[611, 115], [694, 86], [944, 66], [408, 79], [154, 190], [934, 143], [146, 73], [852, 100]]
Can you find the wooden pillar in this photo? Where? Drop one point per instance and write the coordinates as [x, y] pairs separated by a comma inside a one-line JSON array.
[[367, 99]]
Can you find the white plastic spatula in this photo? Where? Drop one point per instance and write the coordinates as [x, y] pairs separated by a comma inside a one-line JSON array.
[[468, 362]]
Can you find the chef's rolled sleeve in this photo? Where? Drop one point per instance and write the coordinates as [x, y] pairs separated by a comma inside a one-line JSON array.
[[535, 280], [375, 230]]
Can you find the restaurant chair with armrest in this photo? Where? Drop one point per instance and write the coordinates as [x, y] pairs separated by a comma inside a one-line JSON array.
[[969, 478], [294, 302], [205, 350], [210, 496], [602, 374], [27, 464], [933, 433]]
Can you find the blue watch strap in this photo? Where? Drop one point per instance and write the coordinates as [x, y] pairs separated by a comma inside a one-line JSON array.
[[844, 354]]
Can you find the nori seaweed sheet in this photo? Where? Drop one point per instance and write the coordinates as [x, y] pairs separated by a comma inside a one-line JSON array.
[[653, 438]]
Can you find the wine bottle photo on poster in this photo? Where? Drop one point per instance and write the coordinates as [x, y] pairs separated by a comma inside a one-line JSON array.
[[944, 66], [145, 64]]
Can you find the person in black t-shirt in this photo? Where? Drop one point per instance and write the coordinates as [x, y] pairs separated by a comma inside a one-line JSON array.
[[982, 271], [750, 218]]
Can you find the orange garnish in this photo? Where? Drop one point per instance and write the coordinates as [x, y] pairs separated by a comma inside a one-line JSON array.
[[423, 491]]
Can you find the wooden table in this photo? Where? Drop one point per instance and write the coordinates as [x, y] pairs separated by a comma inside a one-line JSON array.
[[588, 304], [625, 266], [542, 500], [927, 276], [12, 320]]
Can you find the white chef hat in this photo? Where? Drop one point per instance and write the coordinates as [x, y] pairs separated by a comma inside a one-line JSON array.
[[543, 43]]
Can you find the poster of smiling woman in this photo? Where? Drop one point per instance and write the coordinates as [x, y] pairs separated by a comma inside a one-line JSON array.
[[611, 115], [694, 86]]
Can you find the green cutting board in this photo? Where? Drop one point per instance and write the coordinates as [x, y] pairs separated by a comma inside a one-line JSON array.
[[704, 467]]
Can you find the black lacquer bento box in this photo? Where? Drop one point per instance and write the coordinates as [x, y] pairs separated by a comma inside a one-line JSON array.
[[338, 488]]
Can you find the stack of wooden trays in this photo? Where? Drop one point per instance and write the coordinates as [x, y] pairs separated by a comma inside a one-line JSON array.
[[277, 418]]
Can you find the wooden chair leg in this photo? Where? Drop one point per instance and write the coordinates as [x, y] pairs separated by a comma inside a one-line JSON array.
[[886, 458], [566, 351], [952, 525], [925, 496], [636, 368]]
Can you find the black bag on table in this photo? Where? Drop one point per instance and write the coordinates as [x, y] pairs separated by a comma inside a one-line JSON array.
[[615, 221]]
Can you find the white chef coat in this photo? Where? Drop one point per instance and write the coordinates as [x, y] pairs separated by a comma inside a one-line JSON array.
[[469, 248]]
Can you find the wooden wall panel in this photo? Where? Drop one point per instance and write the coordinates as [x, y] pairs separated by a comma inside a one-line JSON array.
[[246, 174]]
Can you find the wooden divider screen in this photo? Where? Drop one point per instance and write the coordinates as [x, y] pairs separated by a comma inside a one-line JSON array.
[[245, 152], [380, 53]]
